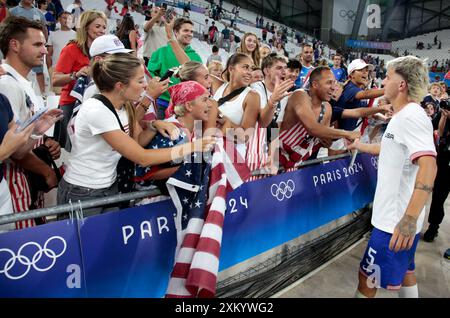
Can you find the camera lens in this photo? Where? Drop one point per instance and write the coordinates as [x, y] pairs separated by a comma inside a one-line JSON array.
[[445, 104]]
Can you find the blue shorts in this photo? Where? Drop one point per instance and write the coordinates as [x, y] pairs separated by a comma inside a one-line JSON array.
[[384, 267]]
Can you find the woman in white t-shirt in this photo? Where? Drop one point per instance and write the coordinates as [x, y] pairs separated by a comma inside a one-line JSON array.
[[99, 142]]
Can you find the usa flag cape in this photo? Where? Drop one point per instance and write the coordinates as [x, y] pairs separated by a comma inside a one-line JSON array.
[[198, 191]]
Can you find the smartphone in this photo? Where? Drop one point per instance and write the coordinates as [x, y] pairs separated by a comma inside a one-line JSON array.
[[168, 74], [168, 14], [31, 120]]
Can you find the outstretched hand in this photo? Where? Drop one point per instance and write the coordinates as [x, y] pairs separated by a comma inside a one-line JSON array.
[[155, 88], [167, 129], [354, 145], [281, 90], [353, 135], [47, 121]]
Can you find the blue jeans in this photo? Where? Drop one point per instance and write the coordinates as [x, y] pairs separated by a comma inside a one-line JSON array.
[[68, 191]]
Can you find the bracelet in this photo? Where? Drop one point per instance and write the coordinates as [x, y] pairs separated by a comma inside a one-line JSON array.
[[36, 137], [143, 106]]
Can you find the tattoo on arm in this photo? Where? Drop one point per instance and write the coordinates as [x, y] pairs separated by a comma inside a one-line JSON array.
[[407, 226], [424, 187]]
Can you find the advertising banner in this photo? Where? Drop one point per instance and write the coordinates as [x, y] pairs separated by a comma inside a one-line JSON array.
[[130, 253]]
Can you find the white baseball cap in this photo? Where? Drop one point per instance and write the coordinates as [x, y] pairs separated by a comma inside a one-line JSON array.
[[108, 43], [358, 64]]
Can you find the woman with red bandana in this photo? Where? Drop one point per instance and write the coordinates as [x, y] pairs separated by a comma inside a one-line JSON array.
[[98, 145], [190, 102]]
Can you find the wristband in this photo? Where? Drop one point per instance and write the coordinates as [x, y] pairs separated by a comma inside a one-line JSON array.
[[36, 137], [143, 106]]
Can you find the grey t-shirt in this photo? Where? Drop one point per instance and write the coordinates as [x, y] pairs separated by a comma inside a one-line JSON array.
[[213, 57], [33, 14]]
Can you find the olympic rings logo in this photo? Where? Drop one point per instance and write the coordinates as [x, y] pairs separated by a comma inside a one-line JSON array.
[[350, 14], [284, 190], [24, 260]]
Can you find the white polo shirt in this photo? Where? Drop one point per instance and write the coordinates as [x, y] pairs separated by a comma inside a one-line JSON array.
[[14, 90], [408, 136]]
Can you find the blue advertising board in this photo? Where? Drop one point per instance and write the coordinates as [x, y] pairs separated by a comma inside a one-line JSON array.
[[130, 253], [44, 261]]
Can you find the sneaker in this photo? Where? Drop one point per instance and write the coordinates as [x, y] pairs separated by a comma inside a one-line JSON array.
[[430, 234], [447, 254]]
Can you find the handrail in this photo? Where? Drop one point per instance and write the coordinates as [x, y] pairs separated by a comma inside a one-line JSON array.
[[65, 208], [69, 207]]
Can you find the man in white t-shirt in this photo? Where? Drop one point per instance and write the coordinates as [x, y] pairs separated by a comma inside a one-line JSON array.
[[273, 96], [406, 172], [273, 90], [59, 39], [23, 45]]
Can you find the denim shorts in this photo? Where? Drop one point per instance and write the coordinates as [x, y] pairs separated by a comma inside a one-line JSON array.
[[75, 193]]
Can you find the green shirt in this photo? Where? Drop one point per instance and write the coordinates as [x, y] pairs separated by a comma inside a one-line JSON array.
[[164, 59]]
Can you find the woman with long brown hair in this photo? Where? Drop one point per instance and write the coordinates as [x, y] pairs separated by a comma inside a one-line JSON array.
[[127, 34], [250, 46], [238, 103]]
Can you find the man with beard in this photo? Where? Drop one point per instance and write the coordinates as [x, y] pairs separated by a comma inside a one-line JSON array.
[[22, 42], [306, 119]]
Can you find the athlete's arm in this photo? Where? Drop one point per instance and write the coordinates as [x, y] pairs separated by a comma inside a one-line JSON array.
[[373, 149], [405, 231]]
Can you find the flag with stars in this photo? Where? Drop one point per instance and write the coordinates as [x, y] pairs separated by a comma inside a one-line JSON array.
[[198, 191], [82, 83], [144, 175]]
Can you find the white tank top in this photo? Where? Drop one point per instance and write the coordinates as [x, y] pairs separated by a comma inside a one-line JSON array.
[[234, 109]]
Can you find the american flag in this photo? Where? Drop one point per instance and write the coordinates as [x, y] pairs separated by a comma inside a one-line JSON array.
[[82, 83], [200, 217]]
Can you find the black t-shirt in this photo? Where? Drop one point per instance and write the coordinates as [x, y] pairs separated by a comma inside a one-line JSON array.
[[6, 116], [444, 141], [336, 113]]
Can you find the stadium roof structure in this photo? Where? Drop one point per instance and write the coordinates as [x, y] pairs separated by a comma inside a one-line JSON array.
[[399, 18]]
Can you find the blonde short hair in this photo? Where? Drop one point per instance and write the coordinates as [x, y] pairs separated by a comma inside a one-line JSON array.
[[179, 110], [415, 72], [435, 84], [213, 64]]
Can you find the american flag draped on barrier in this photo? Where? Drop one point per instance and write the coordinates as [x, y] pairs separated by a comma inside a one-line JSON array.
[[198, 191]]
